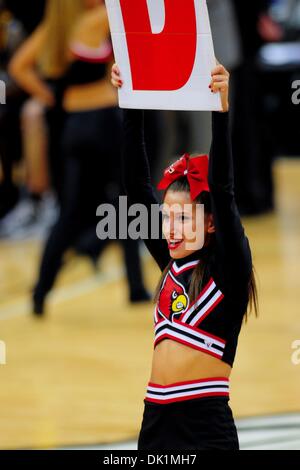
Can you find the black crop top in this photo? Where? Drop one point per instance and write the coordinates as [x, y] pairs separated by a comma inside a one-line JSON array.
[[212, 323], [90, 64]]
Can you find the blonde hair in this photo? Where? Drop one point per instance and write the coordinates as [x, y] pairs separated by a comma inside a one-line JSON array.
[[59, 21]]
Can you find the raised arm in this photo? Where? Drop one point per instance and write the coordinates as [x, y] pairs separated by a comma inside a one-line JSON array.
[[136, 174], [232, 244]]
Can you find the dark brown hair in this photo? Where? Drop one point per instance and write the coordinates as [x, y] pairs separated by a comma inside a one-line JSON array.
[[196, 284]]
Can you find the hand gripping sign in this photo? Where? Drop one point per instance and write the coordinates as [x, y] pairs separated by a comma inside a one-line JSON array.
[[165, 52]]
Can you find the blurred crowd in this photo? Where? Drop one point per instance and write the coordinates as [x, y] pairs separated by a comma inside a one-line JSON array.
[[60, 129]]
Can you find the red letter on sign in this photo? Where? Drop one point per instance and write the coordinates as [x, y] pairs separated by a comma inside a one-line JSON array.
[[162, 61]]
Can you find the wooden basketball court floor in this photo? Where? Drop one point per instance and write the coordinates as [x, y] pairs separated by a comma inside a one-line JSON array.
[[78, 376]]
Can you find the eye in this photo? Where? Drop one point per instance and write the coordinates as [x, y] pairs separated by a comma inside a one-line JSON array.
[[174, 295], [165, 216]]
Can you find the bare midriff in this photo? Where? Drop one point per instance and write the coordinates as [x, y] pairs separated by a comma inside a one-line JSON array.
[[174, 362], [91, 96]]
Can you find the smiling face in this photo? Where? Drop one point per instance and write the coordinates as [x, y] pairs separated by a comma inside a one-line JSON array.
[[185, 225]]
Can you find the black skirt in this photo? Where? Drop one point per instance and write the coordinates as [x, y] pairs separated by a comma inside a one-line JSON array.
[[195, 424]]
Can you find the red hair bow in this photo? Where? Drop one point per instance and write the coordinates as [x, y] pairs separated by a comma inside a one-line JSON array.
[[194, 168]]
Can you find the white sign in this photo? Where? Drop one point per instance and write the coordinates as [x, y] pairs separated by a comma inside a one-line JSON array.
[[165, 52]]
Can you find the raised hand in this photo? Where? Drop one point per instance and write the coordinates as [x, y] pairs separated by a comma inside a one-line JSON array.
[[220, 84], [116, 76]]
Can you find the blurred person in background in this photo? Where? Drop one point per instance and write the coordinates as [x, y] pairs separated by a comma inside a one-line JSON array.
[[253, 145], [11, 35], [65, 62], [279, 63], [19, 119], [238, 34], [223, 25]]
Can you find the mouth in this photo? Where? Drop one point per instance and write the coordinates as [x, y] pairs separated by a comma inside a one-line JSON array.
[[174, 244]]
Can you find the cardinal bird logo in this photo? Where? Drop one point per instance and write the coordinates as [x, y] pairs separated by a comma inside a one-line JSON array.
[[173, 299]]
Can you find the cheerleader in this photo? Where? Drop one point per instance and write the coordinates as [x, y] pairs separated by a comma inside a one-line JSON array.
[[206, 286], [72, 49]]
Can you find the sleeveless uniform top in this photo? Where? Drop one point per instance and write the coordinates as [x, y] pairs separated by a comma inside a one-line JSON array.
[[90, 64], [212, 322]]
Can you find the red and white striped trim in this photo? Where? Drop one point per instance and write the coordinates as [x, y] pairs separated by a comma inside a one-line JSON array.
[[214, 301], [189, 336], [92, 54], [180, 391], [179, 270], [155, 315], [202, 296]]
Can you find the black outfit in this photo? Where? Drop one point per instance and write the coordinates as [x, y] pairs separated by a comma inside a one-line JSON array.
[[10, 151], [85, 171], [210, 324], [87, 147], [55, 118], [28, 14], [247, 19], [197, 424], [79, 72], [10, 129], [90, 149], [253, 143]]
